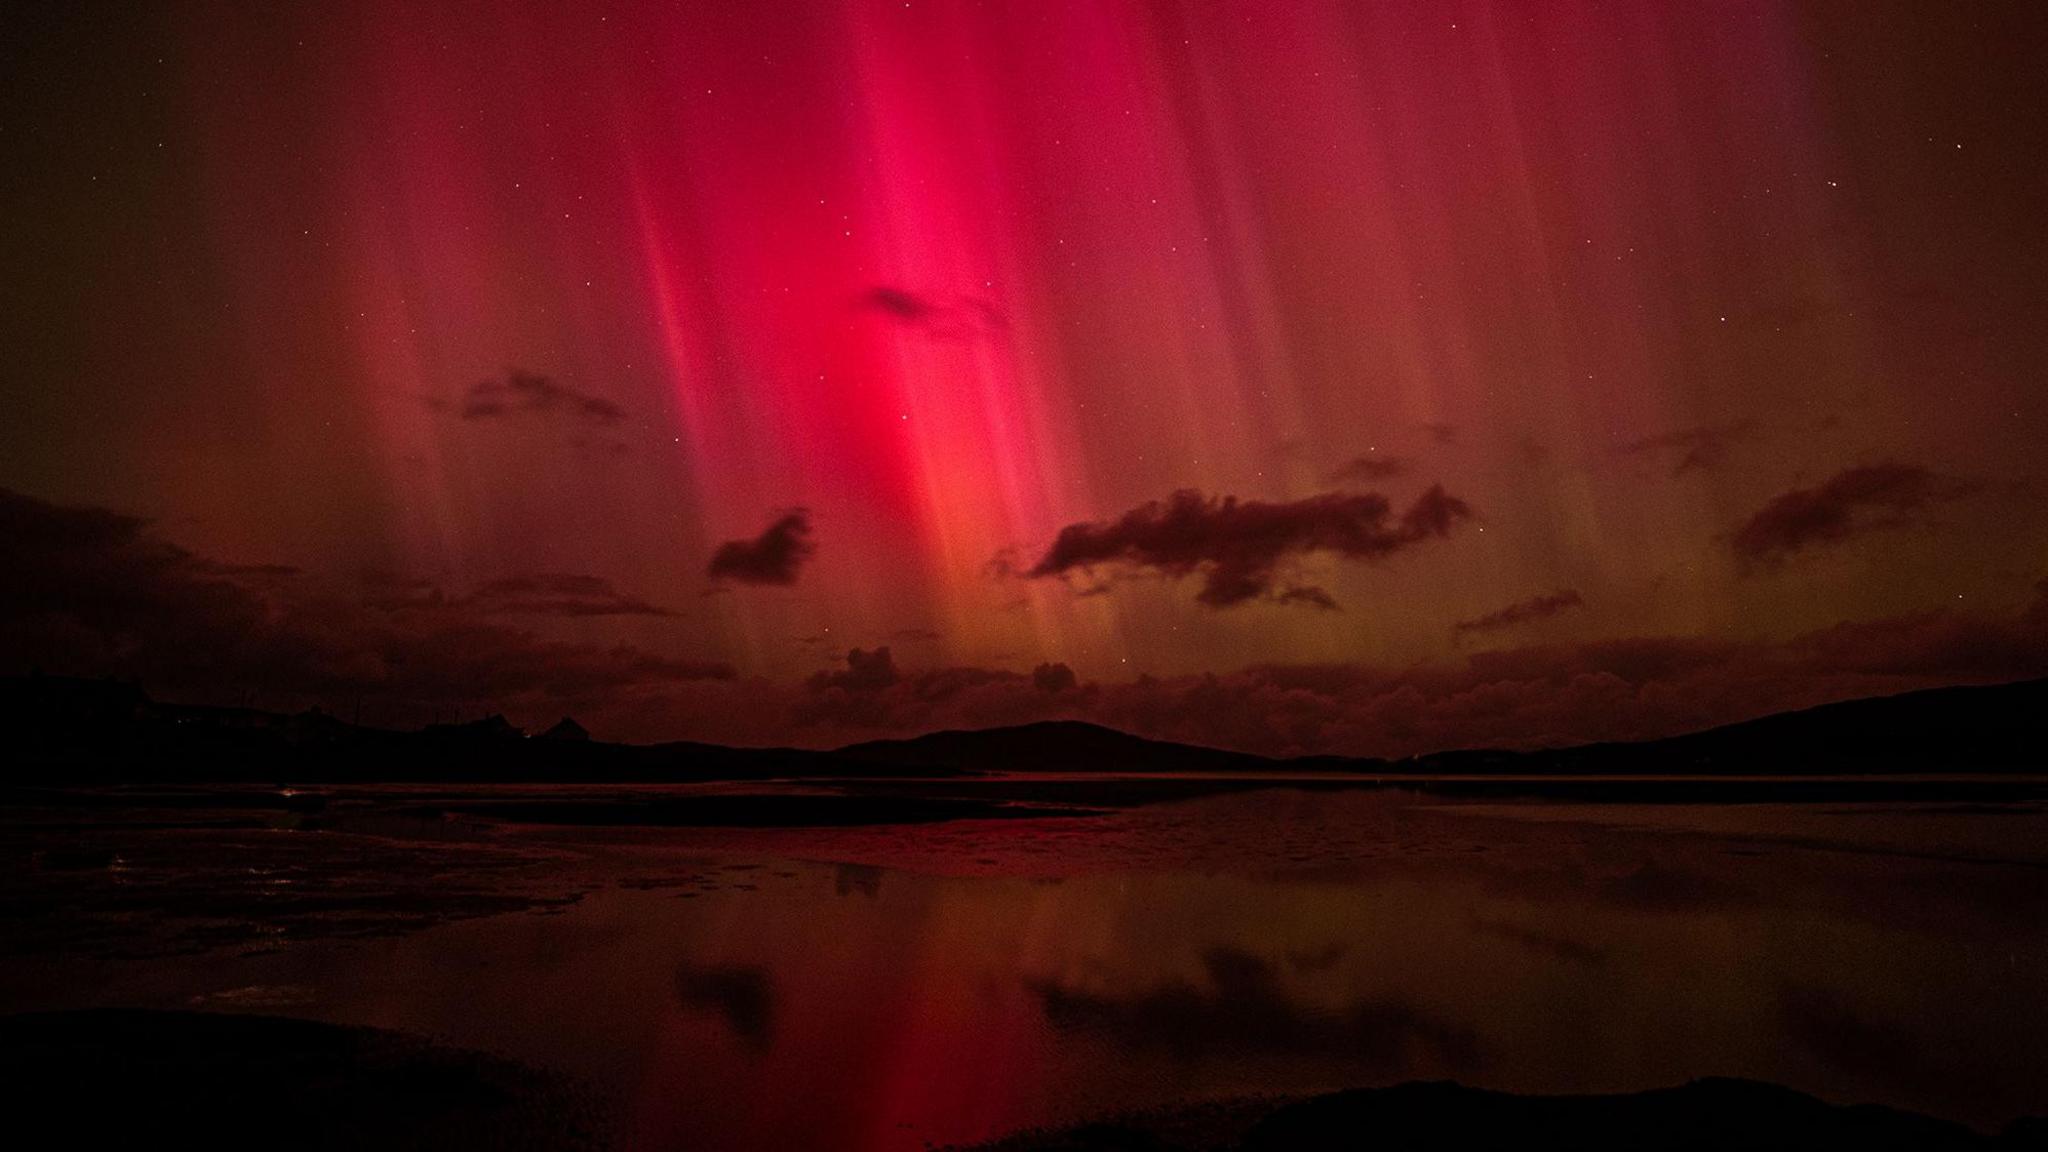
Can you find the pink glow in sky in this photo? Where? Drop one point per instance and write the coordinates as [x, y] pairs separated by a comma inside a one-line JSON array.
[[473, 292]]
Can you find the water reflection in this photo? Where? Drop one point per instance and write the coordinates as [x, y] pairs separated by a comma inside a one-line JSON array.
[[865, 879], [1563, 947], [740, 994], [1242, 1008], [881, 988]]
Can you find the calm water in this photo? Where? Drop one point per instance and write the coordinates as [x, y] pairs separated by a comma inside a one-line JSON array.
[[879, 988]]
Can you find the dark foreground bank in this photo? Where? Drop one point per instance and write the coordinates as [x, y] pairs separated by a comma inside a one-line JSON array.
[[1710, 1114], [112, 1078], [118, 1078]]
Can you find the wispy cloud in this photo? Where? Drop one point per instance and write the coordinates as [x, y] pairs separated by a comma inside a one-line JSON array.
[[1523, 611], [1693, 449], [1371, 469], [1851, 503], [963, 318], [530, 394]]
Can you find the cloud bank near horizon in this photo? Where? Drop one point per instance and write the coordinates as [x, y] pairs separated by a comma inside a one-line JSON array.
[[96, 592]]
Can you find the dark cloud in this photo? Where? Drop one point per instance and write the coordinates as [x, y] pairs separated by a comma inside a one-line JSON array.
[[1308, 960], [865, 672], [1549, 695], [1873, 1048], [98, 582], [1851, 503], [991, 317], [969, 317], [90, 592], [1940, 645], [1523, 611], [1542, 695], [395, 592], [1540, 940], [1442, 433], [871, 694], [773, 557], [527, 393], [256, 572], [1657, 887], [900, 304], [1309, 595], [865, 879], [559, 594], [741, 995], [1003, 565], [1243, 1007], [1053, 679], [1371, 469], [1238, 546], [541, 594], [93, 592], [1693, 449], [1552, 695]]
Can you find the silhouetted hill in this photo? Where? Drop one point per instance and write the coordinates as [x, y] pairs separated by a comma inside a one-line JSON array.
[[1054, 746], [63, 730], [79, 731], [1994, 728]]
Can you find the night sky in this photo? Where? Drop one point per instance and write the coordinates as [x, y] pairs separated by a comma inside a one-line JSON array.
[[1369, 377]]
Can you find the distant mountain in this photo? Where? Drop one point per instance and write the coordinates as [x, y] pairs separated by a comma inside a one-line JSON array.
[[59, 729], [1054, 746], [63, 730], [1994, 729]]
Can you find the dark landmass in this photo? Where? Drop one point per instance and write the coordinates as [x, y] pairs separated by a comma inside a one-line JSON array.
[[1991, 729], [1702, 1115], [66, 731], [115, 1078], [70, 731], [1995, 793], [1066, 746]]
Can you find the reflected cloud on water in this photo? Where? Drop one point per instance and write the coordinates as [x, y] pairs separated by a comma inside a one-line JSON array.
[[952, 982], [1242, 1008], [740, 994]]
